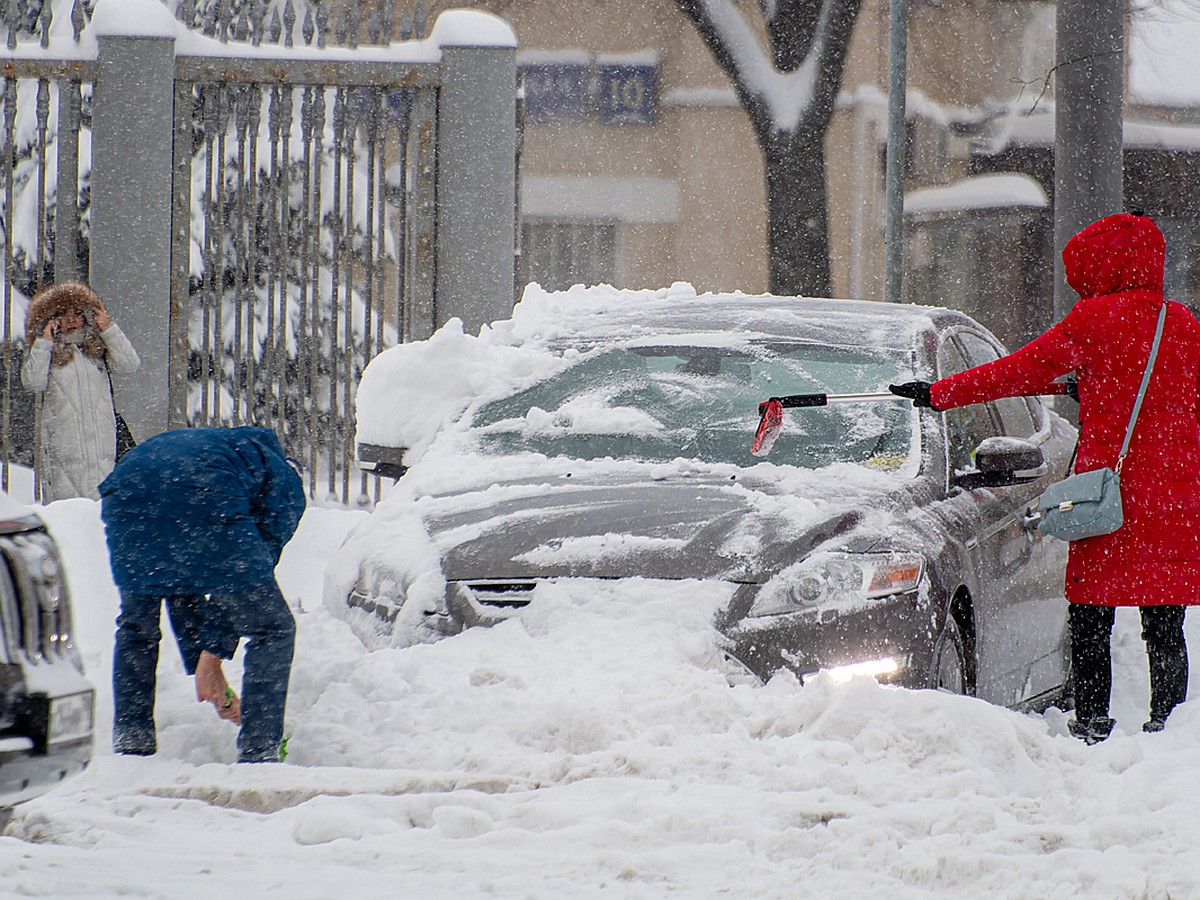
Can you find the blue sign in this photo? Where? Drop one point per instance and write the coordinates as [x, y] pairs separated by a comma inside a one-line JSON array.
[[556, 92], [626, 94]]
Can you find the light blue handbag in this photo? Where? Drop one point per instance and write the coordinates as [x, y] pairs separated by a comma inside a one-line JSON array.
[[1089, 503]]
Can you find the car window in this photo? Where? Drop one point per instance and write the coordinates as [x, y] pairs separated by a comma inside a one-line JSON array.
[[661, 403], [1015, 416], [966, 426]]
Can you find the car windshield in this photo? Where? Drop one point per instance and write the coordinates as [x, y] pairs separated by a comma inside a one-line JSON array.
[[660, 403]]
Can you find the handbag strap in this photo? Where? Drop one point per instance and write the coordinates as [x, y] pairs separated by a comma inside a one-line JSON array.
[[112, 394], [1137, 404]]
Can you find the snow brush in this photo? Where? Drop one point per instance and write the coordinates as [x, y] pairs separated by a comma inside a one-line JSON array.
[[771, 413], [771, 410]]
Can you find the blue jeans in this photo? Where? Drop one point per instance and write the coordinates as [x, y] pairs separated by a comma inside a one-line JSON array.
[[214, 623]]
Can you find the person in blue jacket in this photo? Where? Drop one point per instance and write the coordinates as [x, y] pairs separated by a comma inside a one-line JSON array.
[[198, 517]]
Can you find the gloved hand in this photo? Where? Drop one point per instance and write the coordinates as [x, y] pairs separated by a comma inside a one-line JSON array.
[[916, 391]]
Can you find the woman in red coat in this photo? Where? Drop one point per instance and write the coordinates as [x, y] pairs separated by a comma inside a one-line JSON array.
[[1153, 560]]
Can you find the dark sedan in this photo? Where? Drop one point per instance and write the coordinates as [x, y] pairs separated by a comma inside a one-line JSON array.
[[873, 538]]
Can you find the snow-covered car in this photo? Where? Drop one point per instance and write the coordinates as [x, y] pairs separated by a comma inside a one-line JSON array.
[[601, 434], [46, 701]]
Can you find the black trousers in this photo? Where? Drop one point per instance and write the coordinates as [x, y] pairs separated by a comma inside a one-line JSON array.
[[1091, 652]]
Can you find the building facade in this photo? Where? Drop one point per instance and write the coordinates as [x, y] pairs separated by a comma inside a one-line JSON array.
[[638, 166]]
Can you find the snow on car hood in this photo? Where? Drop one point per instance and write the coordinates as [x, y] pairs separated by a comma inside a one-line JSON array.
[[468, 517], [608, 527]]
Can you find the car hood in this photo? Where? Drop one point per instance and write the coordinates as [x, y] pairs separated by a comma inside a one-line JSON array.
[[696, 525]]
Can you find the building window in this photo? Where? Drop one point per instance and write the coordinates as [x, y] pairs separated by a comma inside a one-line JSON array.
[[559, 254]]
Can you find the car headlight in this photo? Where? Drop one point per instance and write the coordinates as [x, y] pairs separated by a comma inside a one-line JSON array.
[[49, 577], [838, 580], [380, 591], [34, 564]]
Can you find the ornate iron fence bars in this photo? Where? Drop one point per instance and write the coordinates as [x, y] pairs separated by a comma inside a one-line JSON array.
[[303, 273], [43, 112], [295, 272], [305, 218]]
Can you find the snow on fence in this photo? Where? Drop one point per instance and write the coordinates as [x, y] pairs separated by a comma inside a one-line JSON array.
[[306, 237]]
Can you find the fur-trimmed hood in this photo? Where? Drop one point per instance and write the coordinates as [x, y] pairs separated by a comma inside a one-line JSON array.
[[56, 300]]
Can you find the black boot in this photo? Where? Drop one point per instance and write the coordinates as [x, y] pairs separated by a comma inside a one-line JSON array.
[[1092, 730], [1091, 660], [1166, 647]]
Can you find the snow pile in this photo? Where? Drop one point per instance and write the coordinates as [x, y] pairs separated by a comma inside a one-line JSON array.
[[596, 744], [598, 741]]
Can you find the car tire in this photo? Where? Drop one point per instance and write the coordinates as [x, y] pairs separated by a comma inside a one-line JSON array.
[[949, 670]]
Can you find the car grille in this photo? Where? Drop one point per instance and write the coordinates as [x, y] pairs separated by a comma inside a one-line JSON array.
[[501, 594], [34, 613], [385, 609], [469, 603]]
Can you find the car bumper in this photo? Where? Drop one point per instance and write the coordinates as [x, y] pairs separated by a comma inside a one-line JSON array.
[[891, 638], [48, 733], [26, 773]]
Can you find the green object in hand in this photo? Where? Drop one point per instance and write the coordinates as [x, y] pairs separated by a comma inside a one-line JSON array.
[[228, 696], [283, 747]]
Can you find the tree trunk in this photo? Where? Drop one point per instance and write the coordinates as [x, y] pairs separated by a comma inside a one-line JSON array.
[[797, 219], [792, 144]]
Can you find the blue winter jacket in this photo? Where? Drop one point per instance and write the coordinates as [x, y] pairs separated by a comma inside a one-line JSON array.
[[200, 510]]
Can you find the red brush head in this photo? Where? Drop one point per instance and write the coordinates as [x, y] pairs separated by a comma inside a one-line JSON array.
[[768, 427]]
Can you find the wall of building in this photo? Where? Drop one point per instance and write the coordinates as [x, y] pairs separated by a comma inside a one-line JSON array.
[[687, 192]]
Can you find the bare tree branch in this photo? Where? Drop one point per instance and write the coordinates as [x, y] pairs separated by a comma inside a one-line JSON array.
[[1046, 79], [722, 47], [820, 27]]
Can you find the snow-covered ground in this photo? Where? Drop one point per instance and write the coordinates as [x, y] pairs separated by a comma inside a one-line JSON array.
[[593, 747]]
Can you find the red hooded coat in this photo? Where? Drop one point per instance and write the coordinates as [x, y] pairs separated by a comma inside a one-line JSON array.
[[1116, 267]]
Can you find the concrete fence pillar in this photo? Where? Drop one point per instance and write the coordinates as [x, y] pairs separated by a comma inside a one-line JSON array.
[[132, 119], [476, 175]]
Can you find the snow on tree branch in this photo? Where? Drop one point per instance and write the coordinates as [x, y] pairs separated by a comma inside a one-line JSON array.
[[782, 88]]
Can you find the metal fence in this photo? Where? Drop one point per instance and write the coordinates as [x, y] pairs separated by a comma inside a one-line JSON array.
[[43, 104], [313, 227], [305, 210]]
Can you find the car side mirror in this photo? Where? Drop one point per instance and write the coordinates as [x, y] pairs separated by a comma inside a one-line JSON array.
[[999, 459], [386, 462]]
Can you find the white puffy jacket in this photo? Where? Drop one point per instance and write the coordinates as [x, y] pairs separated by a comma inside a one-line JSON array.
[[79, 442]]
